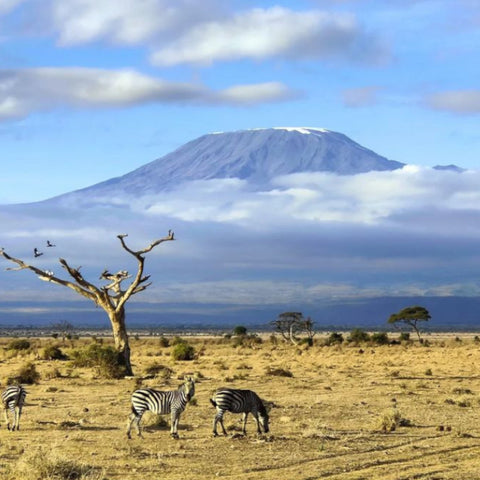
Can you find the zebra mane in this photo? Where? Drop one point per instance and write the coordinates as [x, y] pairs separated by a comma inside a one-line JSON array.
[[187, 380]]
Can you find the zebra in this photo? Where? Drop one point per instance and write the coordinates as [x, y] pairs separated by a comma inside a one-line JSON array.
[[13, 398], [161, 403], [239, 401]]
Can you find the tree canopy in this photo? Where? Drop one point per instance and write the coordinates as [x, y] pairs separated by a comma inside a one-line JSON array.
[[289, 324], [411, 316]]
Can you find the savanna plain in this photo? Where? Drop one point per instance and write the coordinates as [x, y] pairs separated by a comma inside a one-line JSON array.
[[344, 411]]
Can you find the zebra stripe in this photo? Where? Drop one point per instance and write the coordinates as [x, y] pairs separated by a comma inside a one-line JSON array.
[[161, 403], [239, 401], [13, 398]]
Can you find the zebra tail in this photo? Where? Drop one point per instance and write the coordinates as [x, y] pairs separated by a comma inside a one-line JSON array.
[[213, 402]]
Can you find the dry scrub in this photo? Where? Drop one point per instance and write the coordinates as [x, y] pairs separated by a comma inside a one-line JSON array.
[[343, 411]]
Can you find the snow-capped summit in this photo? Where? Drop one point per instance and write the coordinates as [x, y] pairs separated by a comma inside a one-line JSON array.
[[256, 155]]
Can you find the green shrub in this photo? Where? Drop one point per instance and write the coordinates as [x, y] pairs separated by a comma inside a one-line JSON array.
[[240, 330], [18, 344], [358, 335], [27, 375], [177, 340], [380, 338], [107, 362], [52, 352], [183, 351], [334, 339], [164, 342], [404, 336]]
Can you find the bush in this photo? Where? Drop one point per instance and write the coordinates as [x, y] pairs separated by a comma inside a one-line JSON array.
[[164, 341], [358, 335], [27, 375], [157, 370], [177, 340], [393, 419], [405, 336], [52, 352], [334, 339], [107, 362], [240, 330], [246, 341], [44, 464], [279, 372], [18, 344], [380, 338], [183, 351]]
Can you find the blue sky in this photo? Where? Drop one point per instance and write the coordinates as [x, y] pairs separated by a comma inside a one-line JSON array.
[[91, 89]]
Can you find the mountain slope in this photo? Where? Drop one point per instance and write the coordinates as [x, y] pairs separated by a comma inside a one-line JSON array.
[[254, 155]]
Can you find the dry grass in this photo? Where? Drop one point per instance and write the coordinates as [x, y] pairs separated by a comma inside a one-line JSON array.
[[330, 419]]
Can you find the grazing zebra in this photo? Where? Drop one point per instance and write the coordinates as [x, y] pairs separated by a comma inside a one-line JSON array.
[[239, 401], [161, 403], [13, 398]]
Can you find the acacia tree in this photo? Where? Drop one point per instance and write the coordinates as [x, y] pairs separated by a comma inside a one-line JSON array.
[[411, 316], [289, 324], [111, 297]]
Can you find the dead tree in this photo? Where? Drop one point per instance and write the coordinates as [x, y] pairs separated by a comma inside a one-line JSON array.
[[111, 297], [290, 324]]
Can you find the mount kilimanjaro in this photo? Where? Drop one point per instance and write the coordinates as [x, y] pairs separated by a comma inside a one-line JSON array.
[[257, 156]]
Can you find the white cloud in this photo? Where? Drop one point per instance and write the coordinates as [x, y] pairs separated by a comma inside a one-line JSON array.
[[275, 32], [456, 101], [367, 198], [252, 94], [361, 96], [188, 31], [8, 5], [409, 232], [24, 91], [126, 22]]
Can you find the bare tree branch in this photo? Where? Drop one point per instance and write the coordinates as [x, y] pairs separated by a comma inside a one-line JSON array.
[[111, 298]]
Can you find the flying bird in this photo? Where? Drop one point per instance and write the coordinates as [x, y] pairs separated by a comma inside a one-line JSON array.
[[36, 253], [50, 244]]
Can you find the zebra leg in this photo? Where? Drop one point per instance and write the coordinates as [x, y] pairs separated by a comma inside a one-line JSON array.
[[16, 419], [130, 420], [173, 429], [7, 419], [218, 418], [255, 415], [134, 417], [244, 429]]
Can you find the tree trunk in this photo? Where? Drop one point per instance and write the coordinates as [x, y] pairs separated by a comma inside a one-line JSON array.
[[120, 336]]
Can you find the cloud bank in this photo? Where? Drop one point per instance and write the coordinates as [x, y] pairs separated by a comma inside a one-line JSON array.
[[275, 32], [310, 237], [28, 90]]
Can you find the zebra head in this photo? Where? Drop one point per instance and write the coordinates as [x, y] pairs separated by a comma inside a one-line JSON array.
[[189, 388], [263, 418]]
